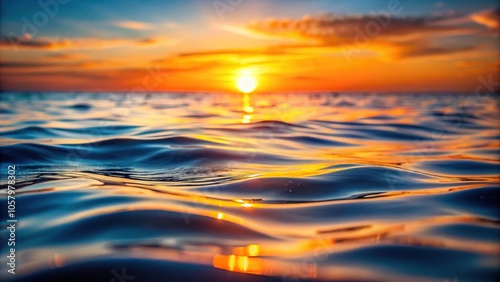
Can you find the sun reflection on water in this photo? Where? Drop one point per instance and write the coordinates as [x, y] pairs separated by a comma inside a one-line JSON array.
[[247, 108]]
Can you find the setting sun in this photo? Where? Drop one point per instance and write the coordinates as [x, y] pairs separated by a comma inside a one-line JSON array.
[[246, 82]]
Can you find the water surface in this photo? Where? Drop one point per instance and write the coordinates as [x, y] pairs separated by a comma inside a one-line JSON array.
[[267, 187]]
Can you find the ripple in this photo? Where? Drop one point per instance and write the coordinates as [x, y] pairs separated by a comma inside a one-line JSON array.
[[309, 187], [80, 107], [461, 167], [316, 141]]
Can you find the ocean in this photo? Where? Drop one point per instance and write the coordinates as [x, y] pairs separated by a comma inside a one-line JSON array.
[[259, 187]]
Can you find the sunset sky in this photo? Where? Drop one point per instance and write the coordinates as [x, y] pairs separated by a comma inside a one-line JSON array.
[[285, 45]]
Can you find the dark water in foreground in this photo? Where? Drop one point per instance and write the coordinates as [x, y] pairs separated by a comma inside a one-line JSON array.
[[199, 187]]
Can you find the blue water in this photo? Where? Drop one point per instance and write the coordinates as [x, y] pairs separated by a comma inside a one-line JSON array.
[[268, 187]]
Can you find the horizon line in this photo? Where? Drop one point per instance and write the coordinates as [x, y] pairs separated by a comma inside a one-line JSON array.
[[254, 93]]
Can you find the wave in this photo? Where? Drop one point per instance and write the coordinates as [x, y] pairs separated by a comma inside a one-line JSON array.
[[305, 187]]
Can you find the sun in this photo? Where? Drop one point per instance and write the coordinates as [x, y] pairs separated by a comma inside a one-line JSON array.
[[246, 83]]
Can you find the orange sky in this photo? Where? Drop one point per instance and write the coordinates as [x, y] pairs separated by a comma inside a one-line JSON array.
[[325, 51]]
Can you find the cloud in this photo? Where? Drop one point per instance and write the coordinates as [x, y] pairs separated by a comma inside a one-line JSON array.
[[489, 18], [66, 56], [419, 49], [171, 25], [65, 73], [48, 43], [466, 64], [143, 26], [135, 25], [55, 64], [403, 37], [234, 57], [333, 29], [19, 65]]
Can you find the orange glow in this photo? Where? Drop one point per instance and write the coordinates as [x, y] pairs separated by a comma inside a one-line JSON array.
[[236, 57], [231, 262], [242, 264], [58, 260], [253, 250], [262, 266]]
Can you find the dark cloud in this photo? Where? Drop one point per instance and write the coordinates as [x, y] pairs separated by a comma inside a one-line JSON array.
[[51, 64], [24, 42], [68, 74], [27, 65], [417, 49], [333, 29], [65, 56], [402, 37], [14, 42]]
